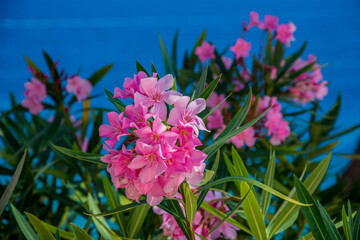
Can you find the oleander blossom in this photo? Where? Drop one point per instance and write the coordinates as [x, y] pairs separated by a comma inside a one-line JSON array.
[[310, 85], [241, 48], [203, 221], [205, 51], [156, 155], [79, 86], [35, 93]]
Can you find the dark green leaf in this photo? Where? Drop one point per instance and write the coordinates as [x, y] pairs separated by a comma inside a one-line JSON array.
[[99, 74], [210, 88], [24, 226], [139, 68], [202, 81], [89, 157], [330, 226]]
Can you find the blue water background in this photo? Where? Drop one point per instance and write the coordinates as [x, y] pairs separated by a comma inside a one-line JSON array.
[[86, 35]]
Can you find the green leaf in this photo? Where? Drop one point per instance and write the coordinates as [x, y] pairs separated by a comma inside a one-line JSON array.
[[139, 68], [100, 222], [153, 70], [286, 210], [350, 219], [42, 231], [190, 204], [219, 142], [239, 116], [55, 230], [330, 226], [136, 220], [250, 181], [198, 43], [32, 65], [24, 226], [220, 215], [253, 213], [228, 215], [356, 229], [279, 53], [99, 74], [312, 213], [51, 65], [120, 106], [165, 55], [174, 47], [12, 184], [210, 88], [202, 81], [89, 157], [346, 225], [212, 110], [117, 210], [80, 233], [269, 180], [114, 203]]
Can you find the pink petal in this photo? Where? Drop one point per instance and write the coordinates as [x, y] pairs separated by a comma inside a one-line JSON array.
[[164, 83]]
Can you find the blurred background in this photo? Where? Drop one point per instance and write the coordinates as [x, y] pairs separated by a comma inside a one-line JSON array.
[[86, 35]]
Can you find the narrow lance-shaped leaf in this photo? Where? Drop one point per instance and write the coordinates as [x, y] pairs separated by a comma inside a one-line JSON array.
[[250, 181], [99, 74], [286, 210], [139, 68], [239, 116], [80, 233], [190, 204], [12, 184], [120, 106], [205, 115], [165, 55], [137, 218], [330, 226], [24, 226], [312, 213], [210, 88], [346, 225], [89, 157], [202, 81], [356, 230], [228, 215], [117, 210], [269, 180], [253, 213], [42, 231]]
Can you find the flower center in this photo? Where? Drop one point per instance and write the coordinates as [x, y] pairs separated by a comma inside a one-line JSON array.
[[151, 157], [155, 137]]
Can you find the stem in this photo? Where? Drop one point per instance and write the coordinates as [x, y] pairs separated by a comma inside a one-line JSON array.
[[189, 225]]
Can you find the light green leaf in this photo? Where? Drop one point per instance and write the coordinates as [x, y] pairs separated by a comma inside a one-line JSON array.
[[346, 225], [190, 204], [255, 183], [80, 233], [63, 234], [12, 184], [136, 220], [253, 213], [24, 226], [286, 210], [269, 180], [42, 231], [113, 203], [100, 222]]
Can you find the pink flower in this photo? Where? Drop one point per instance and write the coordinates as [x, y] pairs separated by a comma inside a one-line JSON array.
[[34, 105], [35, 89], [35, 92], [131, 86], [254, 21], [205, 51], [215, 99], [116, 129], [277, 128], [150, 160], [227, 62], [285, 33], [246, 137], [186, 114], [241, 48], [215, 120], [155, 94], [137, 116], [79, 86], [271, 22]]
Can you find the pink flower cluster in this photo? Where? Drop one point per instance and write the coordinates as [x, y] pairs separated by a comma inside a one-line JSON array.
[[79, 86], [274, 125], [308, 86], [284, 32], [35, 90], [159, 152], [35, 93], [203, 221], [205, 51]]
